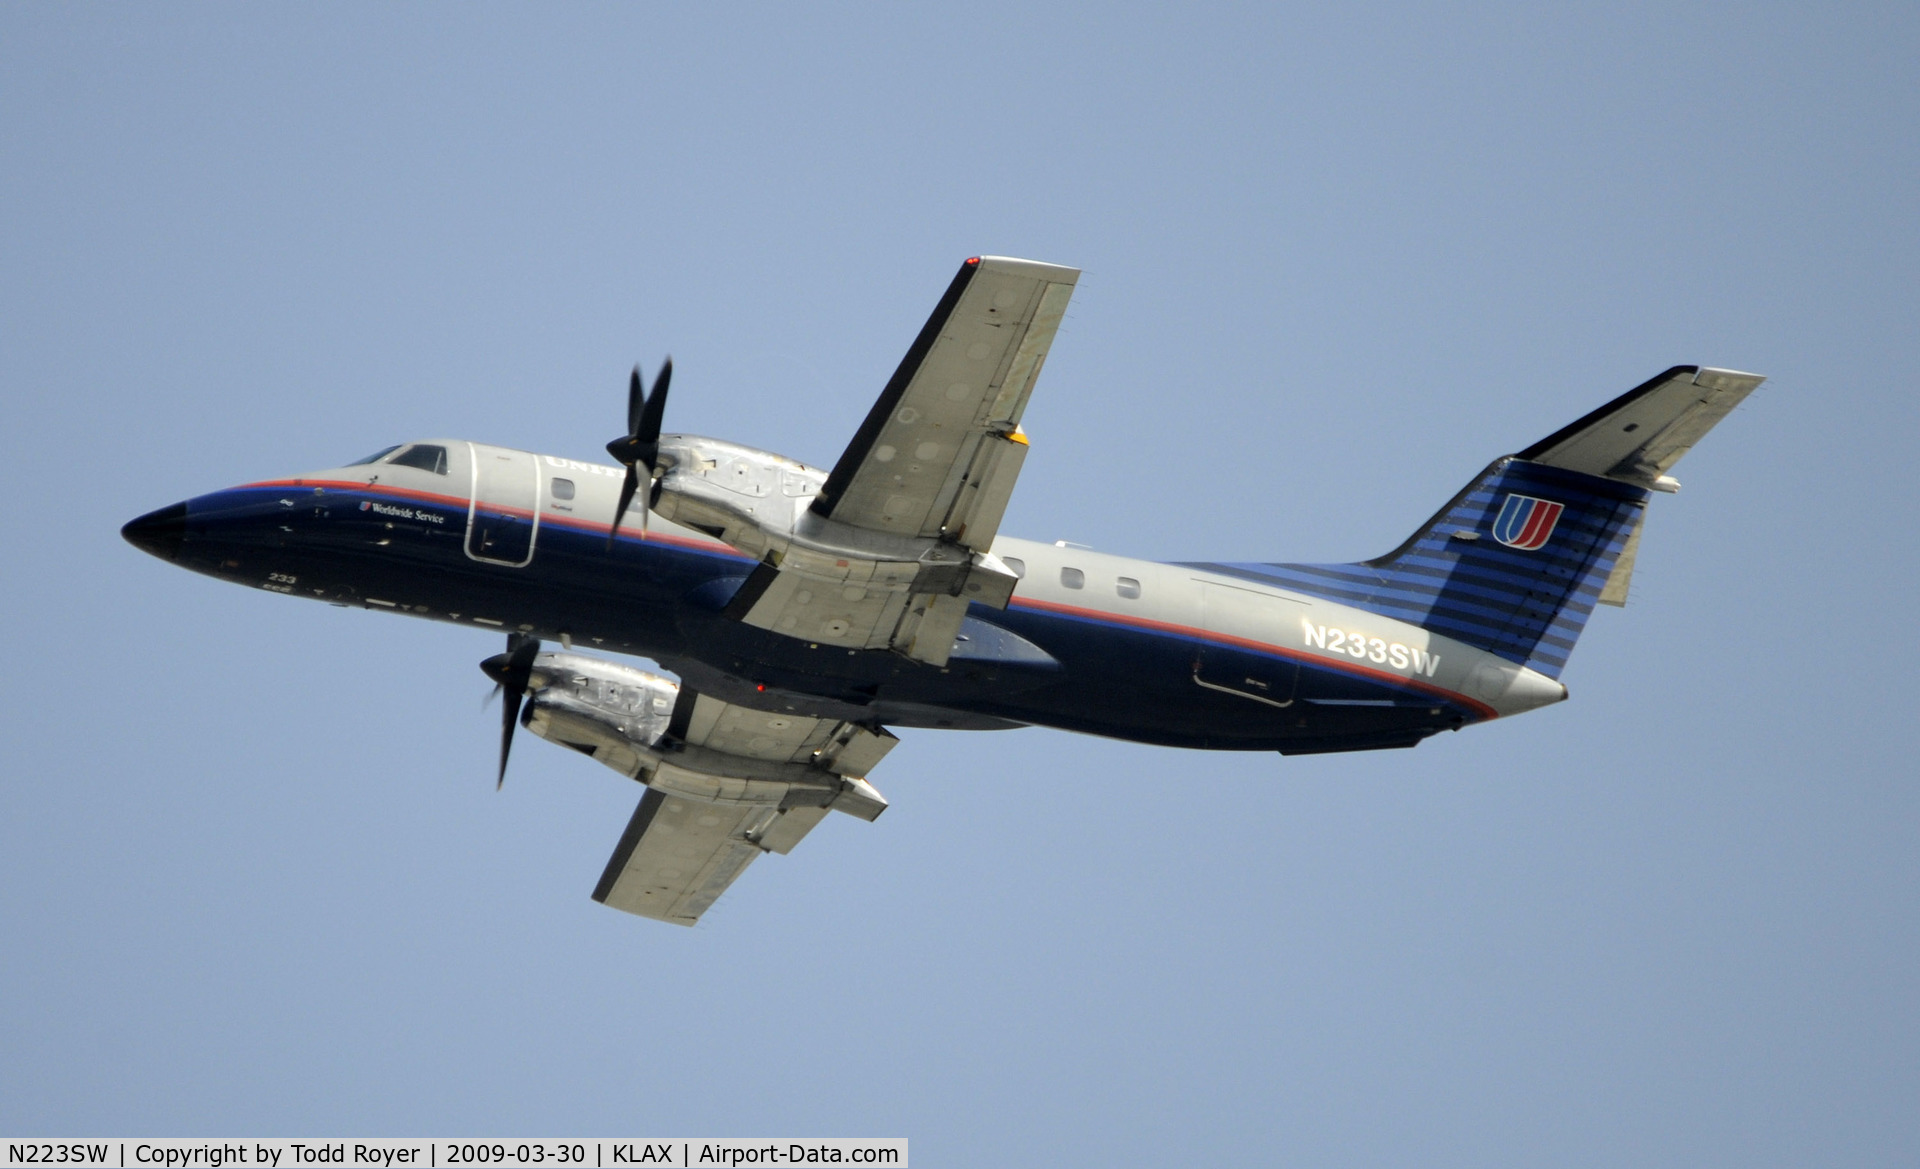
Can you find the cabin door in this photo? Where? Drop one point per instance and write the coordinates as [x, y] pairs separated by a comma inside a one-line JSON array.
[[1241, 624], [503, 519]]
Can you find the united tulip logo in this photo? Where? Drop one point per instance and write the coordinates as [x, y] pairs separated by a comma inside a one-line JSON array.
[[1526, 523]]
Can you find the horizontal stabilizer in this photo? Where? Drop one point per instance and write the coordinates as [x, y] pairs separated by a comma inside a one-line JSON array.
[[1639, 436]]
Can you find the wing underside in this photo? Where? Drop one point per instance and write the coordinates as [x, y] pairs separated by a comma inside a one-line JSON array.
[[732, 782], [678, 855], [927, 461]]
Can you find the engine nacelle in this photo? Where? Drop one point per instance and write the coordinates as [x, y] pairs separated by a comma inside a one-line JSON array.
[[760, 503], [615, 713], [622, 716], [748, 498]]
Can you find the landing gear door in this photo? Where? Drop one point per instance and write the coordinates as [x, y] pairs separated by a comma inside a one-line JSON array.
[[503, 516], [1244, 621]]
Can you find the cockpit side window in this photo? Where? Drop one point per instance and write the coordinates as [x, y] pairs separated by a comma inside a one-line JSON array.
[[424, 456], [376, 456]]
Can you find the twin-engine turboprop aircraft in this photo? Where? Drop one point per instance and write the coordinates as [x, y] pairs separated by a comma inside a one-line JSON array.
[[805, 612]]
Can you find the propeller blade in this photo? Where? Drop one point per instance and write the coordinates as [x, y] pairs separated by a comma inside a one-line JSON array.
[[509, 715], [627, 490], [641, 444], [513, 671], [636, 403], [656, 408]]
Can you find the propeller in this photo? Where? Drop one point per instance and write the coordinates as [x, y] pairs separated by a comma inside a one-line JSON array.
[[642, 442], [511, 672]]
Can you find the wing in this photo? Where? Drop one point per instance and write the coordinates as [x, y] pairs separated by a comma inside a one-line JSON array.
[[1640, 435], [926, 479], [938, 453], [678, 855], [732, 783]]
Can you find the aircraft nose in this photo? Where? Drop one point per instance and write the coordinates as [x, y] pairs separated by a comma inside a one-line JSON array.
[[159, 532]]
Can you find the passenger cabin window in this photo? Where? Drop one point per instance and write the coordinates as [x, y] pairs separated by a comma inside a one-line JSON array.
[[563, 489], [1127, 587], [376, 456], [423, 456], [1018, 566], [1073, 578]]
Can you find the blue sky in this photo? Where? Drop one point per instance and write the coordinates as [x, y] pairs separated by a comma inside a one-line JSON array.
[[253, 874]]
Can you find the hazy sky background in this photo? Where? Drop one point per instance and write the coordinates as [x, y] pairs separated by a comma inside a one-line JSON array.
[[254, 879]]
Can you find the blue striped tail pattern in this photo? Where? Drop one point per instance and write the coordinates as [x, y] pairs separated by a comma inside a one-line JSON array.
[[1513, 565]]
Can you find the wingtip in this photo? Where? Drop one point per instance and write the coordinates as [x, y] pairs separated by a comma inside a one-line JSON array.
[[1727, 379]]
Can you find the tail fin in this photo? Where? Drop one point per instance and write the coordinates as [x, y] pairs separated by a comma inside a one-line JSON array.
[[1515, 563]]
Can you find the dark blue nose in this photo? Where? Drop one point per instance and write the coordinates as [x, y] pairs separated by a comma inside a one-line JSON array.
[[159, 532]]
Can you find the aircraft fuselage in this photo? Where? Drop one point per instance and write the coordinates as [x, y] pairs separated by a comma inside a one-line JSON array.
[[1170, 654]]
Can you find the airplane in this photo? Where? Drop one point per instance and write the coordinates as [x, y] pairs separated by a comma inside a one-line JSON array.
[[805, 614]]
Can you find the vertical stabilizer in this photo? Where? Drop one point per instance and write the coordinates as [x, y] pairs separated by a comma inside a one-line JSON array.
[[1516, 562]]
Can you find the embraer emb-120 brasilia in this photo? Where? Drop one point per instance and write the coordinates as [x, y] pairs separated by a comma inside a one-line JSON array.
[[805, 612]]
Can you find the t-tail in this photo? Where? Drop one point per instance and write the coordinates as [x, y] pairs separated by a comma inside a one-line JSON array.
[[1515, 563]]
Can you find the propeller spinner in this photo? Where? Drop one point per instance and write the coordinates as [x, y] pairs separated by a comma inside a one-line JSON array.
[[641, 443]]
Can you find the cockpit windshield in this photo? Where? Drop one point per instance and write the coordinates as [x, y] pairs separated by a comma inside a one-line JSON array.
[[375, 457], [424, 456]]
